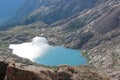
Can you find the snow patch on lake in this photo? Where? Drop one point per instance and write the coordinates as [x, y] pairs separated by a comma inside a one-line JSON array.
[[31, 50]]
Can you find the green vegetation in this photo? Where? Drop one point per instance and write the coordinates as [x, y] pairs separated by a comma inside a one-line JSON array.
[[85, 54]]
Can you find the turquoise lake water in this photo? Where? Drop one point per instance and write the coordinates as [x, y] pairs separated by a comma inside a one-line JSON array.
[[59, 55], [38, 50]]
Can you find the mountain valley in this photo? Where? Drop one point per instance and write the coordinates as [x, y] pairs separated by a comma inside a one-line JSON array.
[[94, 28]]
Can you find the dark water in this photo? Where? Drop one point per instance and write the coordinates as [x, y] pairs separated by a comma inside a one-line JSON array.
[[58, 55]]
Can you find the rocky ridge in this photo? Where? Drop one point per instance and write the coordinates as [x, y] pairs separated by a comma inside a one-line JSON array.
[[49, 11], [10, 70]]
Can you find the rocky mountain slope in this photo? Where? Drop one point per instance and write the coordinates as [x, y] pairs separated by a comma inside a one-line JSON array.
[[96, 31], [49, 11]]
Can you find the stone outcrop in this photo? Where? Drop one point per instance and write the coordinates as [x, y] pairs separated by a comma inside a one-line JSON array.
[[3, 68], [10, 70]]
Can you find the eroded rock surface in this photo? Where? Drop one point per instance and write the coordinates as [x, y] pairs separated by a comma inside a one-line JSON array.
[[10, 70]]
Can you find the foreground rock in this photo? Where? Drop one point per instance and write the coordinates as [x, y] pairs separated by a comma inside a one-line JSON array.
[[10, 70]]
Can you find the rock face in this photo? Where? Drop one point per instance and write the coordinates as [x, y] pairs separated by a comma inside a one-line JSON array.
[[3, 68], [14, 73], [109, 21], [10, 70]]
